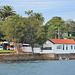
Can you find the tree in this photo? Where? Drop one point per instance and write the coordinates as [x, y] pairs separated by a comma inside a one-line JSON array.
[[6, 11], [12, 29], [55, 27], [70, 27], [39, 17], [1, 33], [33, 27]]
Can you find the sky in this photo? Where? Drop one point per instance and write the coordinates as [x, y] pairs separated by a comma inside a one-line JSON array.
[[49, 8]]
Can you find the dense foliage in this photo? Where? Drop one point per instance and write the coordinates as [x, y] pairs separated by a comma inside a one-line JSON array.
[[16, 28]]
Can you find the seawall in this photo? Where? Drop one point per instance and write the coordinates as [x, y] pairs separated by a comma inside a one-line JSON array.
[[23, 57], [33, 57]]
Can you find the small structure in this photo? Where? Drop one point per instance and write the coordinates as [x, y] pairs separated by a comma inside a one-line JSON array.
[[26, 48], [19, 46], [12, 46], [5, 44], [1, 47], [58, 46]]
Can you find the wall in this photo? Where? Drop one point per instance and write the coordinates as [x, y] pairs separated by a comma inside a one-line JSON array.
[[47, 44], [37, 49], [24, 57], [61, 51], [27, 49]]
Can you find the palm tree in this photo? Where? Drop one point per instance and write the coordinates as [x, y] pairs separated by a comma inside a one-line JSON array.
[[6, 11], [39, 17]]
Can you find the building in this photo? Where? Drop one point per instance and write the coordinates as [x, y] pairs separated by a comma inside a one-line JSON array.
[[27, 48], [58, 46]]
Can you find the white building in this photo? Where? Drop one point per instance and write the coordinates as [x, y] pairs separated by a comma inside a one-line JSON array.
[[26, 48], [58, 46]]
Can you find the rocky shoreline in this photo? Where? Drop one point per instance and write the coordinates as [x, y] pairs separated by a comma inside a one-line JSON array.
[[32, 57], [23, 57]]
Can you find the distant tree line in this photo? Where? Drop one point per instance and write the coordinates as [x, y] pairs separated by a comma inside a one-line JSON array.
[[16, 28]]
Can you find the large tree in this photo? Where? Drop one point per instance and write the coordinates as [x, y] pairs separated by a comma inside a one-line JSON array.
[[70, 25], [33, 27], [12, 28], [70, 28], [55, 27]]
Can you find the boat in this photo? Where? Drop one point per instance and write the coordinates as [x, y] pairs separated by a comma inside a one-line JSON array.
[[60, 58], [67, 59]]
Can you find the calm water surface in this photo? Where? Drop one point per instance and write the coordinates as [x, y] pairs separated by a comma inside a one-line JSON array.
[[65, 67]]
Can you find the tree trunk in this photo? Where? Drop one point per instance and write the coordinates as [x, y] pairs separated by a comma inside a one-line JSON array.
[[16, 48], [58, 34], [32, 48]]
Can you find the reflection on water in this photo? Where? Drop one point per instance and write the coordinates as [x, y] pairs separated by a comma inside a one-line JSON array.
[[65, 67]]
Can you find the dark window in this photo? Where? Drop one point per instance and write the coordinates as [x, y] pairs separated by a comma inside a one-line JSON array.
[[63, 47], [71, 47], [48, 48], [66, 47], [26, 45], [74, 47]]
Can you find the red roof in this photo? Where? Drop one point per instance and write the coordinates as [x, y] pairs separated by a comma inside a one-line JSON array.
[[62, 41]]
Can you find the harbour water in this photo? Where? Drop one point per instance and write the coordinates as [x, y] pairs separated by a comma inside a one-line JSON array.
[[63, 67]]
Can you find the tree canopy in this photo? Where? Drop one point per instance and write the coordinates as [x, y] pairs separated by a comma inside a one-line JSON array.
[[30, 29], [55, 27]]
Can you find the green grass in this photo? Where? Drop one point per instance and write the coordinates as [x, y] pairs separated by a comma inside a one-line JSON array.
[[6, 51]]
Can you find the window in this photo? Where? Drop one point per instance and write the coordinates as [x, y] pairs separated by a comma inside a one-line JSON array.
[[74, 47], [63, 47], [66, 47], [48, 48], [59, 47], [71, 47]]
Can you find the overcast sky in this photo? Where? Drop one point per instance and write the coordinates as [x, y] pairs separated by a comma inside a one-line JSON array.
[[48, 8]]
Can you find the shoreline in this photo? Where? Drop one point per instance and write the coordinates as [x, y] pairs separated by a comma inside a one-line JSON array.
[[22, 57]]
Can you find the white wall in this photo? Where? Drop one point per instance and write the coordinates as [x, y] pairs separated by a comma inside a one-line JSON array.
[[27, 49], [61, 51], [48, 44], [37, 49], [47, 51]]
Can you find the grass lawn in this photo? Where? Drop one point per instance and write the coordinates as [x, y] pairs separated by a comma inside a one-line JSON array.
[[4, 51]]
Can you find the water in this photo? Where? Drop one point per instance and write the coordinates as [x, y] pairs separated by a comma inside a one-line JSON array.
[[65, 67]]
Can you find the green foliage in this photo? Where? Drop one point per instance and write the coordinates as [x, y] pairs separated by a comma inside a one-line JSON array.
[[70, 25], [55, 27], [6, 11], [12, 28], [30, 29]]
